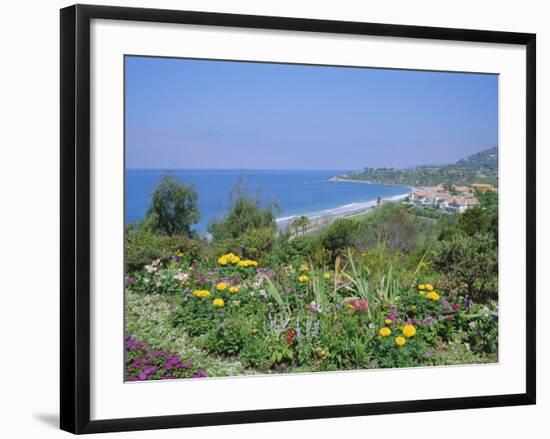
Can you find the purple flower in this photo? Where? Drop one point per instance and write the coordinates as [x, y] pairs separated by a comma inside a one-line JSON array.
[[171, 362], [201, 373], [314, 307]]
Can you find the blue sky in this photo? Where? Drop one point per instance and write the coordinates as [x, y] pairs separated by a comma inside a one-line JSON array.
[[193, 114]]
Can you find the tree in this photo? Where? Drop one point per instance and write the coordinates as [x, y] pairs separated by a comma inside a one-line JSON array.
[[300, 224], [470, 260], [245, 214], [174, 208], [247, 222], [339, 236]]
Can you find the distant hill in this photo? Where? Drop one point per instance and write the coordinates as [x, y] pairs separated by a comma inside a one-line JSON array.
[[488, 158], [481, 167]]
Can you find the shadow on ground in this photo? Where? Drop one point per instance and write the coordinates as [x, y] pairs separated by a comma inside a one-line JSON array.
[[49, 419]]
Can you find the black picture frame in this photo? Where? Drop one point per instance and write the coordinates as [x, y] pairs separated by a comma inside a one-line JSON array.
[[75, 217]]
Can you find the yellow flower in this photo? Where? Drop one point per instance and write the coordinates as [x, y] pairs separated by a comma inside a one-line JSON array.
[[421, 292], [323, 353], [351, 308], [388, 321], [202, 293], [218, 302], [326, 275], [303, 278], [409, 331], [234, 259], [304, 267], [384, 332], [400, 341], [222, 260], [432, 295], [421, 287], [247, 263], [423, 264], [253, 331], [429, 287], [413, 308], [179, 253], [234, 289], [221, 286]]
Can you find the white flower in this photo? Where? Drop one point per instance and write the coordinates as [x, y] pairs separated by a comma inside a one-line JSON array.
[[150, 269], [181, 277]]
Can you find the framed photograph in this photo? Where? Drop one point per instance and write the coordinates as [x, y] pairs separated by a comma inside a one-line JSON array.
[[268, 218]]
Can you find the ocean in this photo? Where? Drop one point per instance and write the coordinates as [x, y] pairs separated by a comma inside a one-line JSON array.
[[295, 192]]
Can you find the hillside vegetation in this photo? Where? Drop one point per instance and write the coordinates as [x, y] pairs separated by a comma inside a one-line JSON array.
[[481, 167], [394, 288]]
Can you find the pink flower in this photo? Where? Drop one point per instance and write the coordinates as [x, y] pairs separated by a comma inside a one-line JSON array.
[[360, 305]]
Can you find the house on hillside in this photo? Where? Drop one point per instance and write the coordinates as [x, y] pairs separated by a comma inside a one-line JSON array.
[[459, 203], [483, 187], [437, 197]]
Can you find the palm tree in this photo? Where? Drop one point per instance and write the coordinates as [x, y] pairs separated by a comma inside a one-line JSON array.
[[301, 224]]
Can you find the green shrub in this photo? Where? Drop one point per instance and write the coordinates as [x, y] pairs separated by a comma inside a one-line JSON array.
[[226, 338], [246, 213], [470, 260], [141, 246], [174, 208], [197, 316], [339, 236], [255, 352], [482, 330]]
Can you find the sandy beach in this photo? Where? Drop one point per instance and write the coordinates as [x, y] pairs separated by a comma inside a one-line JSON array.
[[325, 217]]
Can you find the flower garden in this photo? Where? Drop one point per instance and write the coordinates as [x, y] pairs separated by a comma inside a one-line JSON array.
[[389, 289], [301, 319]]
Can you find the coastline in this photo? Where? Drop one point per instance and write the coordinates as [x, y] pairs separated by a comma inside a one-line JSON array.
[[323, 218], [346, 180]]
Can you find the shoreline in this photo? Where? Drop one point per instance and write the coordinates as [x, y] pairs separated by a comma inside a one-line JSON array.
[[347, 180], [323, 218]]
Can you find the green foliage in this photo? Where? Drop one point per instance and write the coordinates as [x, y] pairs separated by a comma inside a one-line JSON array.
[[471, 260], [142, 245], [477, 168], [393, 226], [339, 236], [245, 214], [196, 316], [482, 333], [255, 352], [300, 224], [227, 338], [174, 208], [315, 301], [248, 222]]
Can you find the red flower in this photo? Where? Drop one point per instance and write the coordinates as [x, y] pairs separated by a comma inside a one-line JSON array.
[[290, 335]]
